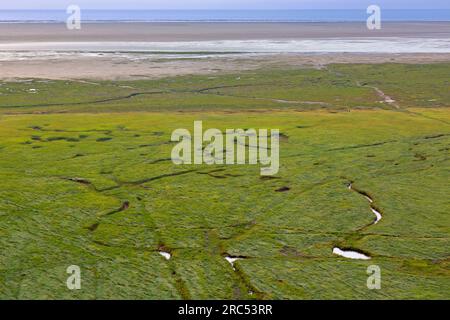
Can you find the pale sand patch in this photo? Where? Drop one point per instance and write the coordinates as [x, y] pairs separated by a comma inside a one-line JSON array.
[[122, 68]]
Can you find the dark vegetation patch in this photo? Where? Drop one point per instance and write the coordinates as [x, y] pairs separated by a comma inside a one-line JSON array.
[[79, 180], [435, 136], [158, 160], [93, 227], [101, 243], [78, 155], [103, 139], [283, 189], [235, 256], [163, 176], [266, 178], [217, 176], [125, 205], [284, 137], [231, 175], [420, 157], [162, 247], [68, 139], [376, 144]]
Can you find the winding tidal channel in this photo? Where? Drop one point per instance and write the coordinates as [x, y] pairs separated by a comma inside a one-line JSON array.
[[378, 215], [350, 254]]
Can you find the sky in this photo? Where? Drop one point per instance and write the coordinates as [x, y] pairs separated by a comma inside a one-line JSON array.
[[225, 4]]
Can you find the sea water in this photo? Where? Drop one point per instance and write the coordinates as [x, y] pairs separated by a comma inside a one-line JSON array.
[[222, 15]]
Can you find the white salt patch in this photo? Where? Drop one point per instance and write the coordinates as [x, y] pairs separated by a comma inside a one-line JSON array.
[[350, 254], [165, 255]]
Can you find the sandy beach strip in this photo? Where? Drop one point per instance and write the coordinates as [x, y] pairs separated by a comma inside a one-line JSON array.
[[116, 68], [50, 51]]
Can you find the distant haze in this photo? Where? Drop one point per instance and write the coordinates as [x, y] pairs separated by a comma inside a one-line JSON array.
[[225, 4]]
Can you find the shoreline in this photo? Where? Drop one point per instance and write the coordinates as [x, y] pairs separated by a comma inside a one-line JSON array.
[[129, 51], [122, 68]]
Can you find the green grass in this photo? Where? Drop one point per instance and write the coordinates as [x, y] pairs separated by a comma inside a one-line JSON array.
[[338, 87], [64, 178]]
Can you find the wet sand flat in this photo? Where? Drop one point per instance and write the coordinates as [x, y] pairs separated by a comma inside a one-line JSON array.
[[149, 32], [131, 50]]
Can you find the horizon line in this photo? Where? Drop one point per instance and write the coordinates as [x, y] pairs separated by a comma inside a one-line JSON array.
[[223, 9]]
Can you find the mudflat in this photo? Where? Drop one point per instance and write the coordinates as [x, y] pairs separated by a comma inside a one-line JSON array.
[[74, 66], [49, 32], [111, 51]]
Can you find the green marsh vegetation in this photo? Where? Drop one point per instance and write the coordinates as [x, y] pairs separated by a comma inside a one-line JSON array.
[[87, 180]]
